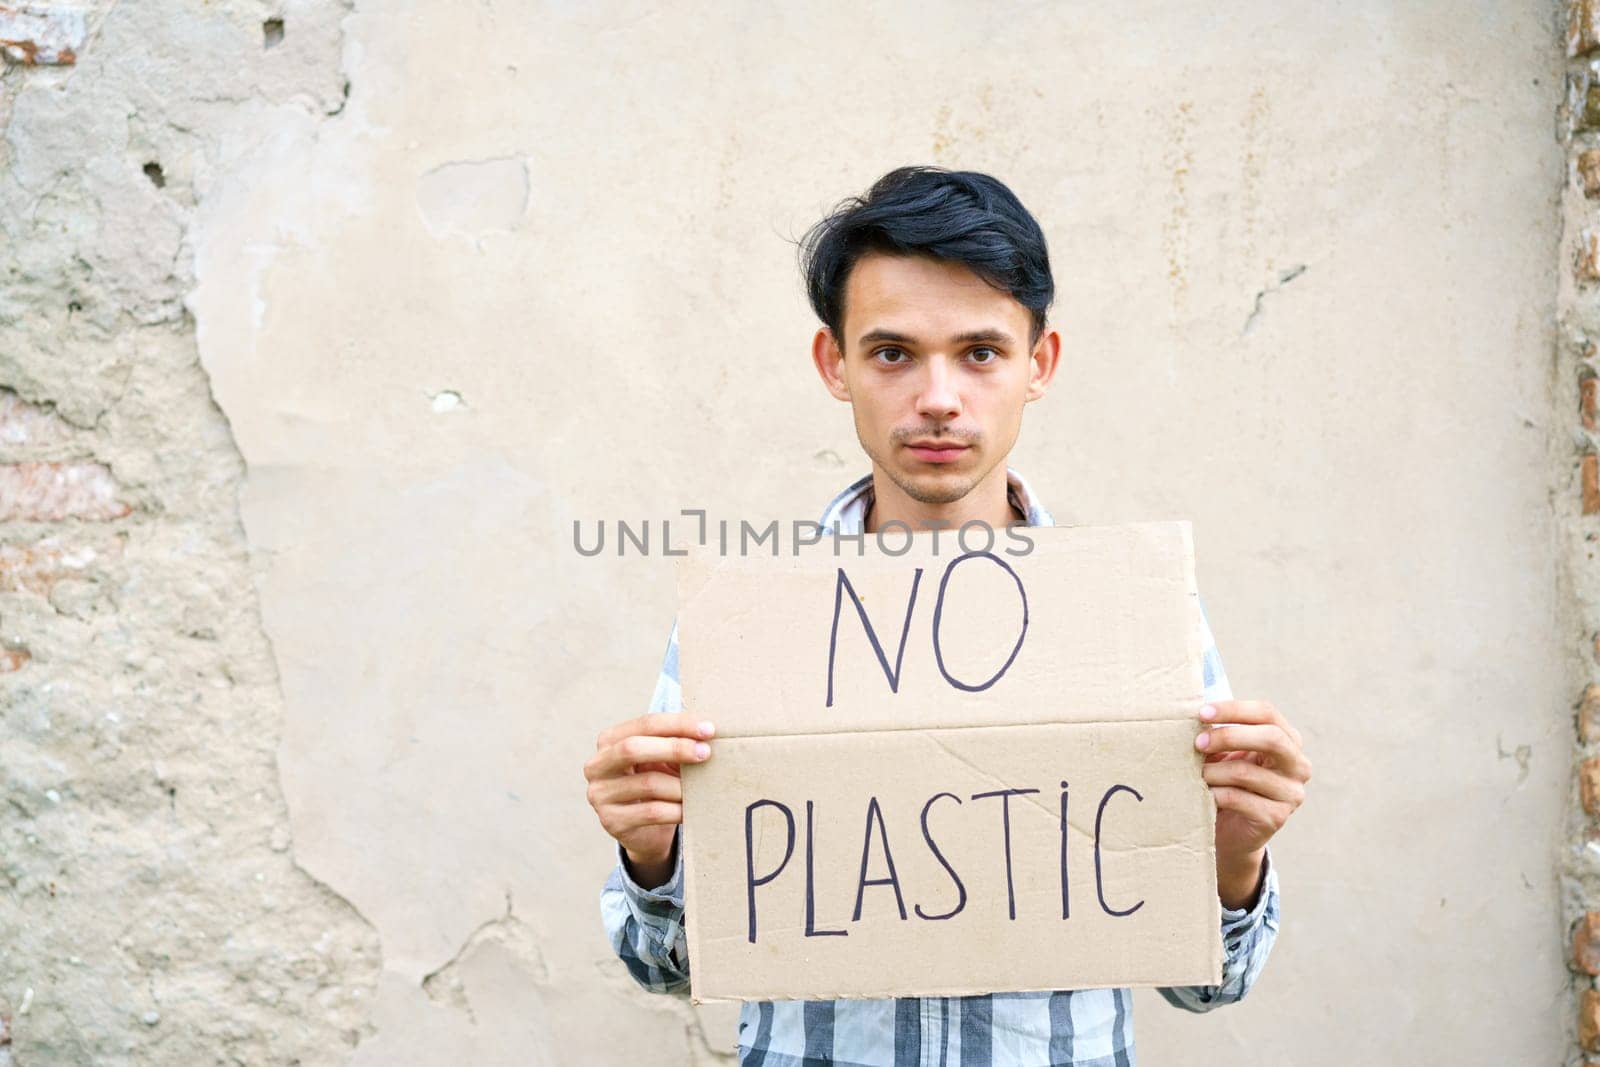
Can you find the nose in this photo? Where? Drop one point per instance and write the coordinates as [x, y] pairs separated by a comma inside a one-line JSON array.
[[938, 397]]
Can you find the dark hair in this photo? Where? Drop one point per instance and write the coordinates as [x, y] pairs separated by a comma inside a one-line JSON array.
[[956, 215]]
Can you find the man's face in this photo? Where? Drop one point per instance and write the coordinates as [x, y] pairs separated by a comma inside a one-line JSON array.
[[936, 364]]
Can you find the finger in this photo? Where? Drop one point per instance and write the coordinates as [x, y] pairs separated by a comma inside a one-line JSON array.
[[1258, 712], [1243, 774], [622, 818], [629, 788], [621, 757], [1260, 811], [657, 724], [1271, 740]]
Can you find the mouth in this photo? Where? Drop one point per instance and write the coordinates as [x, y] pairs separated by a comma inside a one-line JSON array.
[[937, 451]]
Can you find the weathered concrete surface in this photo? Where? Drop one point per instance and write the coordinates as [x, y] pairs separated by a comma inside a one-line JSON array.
[[534, 270], [1575, 444], [151, 911]]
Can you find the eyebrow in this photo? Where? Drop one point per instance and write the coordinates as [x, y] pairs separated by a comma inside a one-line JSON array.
[[971, 337]]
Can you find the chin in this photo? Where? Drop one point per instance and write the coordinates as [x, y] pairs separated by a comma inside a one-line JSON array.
[[929, 487]]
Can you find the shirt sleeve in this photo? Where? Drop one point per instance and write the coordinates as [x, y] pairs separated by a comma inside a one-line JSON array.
[[1247, 935], [1247, 938], [646, 925]]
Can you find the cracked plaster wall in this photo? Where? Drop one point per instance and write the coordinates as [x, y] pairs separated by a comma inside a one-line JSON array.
[[151, 909], [461, 274]]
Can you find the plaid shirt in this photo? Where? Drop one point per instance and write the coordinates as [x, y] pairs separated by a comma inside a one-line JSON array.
[[1082, 1027]]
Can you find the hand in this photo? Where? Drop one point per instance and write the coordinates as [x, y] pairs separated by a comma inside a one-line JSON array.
[[1257, 772], [635, 790]]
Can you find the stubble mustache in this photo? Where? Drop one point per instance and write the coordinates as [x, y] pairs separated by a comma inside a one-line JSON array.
[[939, 433]]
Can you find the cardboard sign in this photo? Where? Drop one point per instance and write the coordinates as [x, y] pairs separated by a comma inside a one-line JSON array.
[[943, 772]]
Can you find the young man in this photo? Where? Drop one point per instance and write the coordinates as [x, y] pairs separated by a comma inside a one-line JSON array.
[[932, 291]]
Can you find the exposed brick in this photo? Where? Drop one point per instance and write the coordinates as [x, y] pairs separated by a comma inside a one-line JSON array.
[[1589, 714], [1589, 1021], [1589, 107], [22, 423], [1589, 785], [1588, 266], [1589, 480], [1583, 31], [1586, 943], [1589, 172], [50, 492], [1588, 392], [12, 659], [36, 568], [40, 34]]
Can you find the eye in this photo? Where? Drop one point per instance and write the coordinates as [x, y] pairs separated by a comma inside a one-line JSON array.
[[892, 356], [985, 355]]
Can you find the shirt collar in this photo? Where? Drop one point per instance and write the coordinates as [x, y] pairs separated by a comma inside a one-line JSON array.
[[847, 511]]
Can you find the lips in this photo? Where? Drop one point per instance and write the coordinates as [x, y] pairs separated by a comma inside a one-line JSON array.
[[937, 451]]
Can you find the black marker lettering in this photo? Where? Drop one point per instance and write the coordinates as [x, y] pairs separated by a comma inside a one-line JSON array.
[[750, 879], [961, 890], [811, 890], [938, 610], [1066, 910], [1099, 884], [1005, 796], [839, 589], [874, 813]]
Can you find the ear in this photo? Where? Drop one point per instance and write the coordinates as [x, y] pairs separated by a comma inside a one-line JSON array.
[[829, 359], [1042, 364]]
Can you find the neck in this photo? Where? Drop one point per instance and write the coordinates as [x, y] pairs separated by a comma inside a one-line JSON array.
[[987, 502]]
